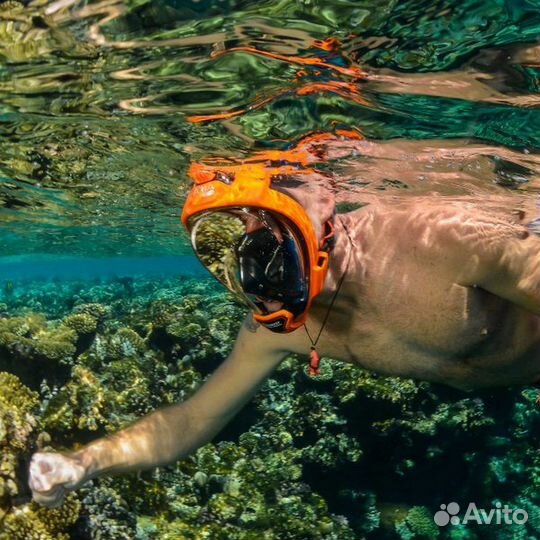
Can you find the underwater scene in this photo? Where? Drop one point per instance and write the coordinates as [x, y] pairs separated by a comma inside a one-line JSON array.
[[109, 110]]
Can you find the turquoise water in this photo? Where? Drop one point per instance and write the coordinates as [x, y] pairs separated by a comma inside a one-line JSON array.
[[106, 315], [27, 269], [95, 97]]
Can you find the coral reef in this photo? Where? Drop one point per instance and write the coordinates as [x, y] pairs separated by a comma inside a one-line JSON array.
[[418, 523], [344, 455], [81, 323], [17, 426], [106, 515], [35, 349], [32, 522], [17, 403]]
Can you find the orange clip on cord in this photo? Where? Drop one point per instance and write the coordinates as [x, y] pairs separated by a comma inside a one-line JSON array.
[[252, 188], [314, 362]]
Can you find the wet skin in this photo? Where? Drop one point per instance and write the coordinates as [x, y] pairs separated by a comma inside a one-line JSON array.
[[442, 289], [445, 293]]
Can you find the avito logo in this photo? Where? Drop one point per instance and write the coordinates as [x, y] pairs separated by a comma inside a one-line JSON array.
[[500, 515]]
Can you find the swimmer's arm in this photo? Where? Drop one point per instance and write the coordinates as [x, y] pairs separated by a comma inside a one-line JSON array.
[[174, 432]]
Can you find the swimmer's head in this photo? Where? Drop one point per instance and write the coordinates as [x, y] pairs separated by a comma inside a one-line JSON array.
[[260, 242]]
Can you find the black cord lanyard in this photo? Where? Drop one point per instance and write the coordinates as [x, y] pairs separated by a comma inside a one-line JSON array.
[[314, 357]]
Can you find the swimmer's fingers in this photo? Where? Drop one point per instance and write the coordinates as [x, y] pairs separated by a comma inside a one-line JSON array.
[[52, 498], [52, 475]]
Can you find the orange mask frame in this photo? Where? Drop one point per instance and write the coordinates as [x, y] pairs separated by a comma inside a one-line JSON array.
[[249, 185]]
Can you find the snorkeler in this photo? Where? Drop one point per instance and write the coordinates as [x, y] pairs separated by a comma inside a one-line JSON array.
[[434, 289]]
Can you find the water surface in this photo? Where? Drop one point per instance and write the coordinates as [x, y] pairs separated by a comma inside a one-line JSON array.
[[97, 102]]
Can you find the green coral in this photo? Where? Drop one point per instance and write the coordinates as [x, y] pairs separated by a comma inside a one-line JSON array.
[[33, 522], [57, 344], [94, 310], [31, 347], [350, 382], [129, 391], [107, 515], [418, 524], [393, 448], [126, 343], [81, 323], [18, 405], [190, 331], [232, 491], [80, 404]]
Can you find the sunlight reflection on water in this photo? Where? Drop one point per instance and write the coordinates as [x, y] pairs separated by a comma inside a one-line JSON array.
[[104, 105]]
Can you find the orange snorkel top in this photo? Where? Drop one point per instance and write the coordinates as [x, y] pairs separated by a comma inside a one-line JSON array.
[[249, 185]]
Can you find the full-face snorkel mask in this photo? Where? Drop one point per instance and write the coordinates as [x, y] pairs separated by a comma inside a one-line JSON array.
[[257, 241]]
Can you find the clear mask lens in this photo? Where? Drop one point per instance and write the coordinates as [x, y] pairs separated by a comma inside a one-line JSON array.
[[255, 255]]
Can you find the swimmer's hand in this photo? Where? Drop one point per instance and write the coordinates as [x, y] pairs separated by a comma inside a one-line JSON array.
[[52, 476]]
